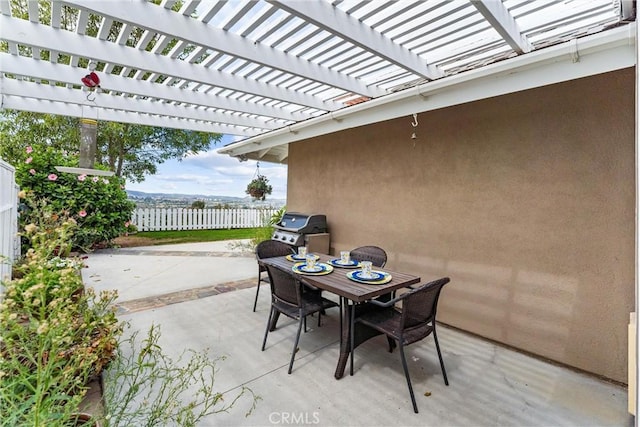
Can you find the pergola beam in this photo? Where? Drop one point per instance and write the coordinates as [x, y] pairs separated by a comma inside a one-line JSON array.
[[104, 100], [37, 69], [74, 110], [337, 22], [499, 17], [44, 37], [170, 24]]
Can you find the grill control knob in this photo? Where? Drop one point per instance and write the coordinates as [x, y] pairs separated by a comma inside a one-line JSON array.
[[291, 239], [284, 237]]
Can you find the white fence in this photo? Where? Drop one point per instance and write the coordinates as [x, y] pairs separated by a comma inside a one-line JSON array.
[[9, 243], [156, 219]]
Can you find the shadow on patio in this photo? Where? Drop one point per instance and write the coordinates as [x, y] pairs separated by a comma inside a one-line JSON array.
[[202, 295]]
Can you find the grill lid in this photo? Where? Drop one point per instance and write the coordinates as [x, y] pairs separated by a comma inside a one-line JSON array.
[[301, 223]]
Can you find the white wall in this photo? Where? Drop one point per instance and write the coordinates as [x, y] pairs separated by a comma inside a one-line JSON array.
[[9, 247]]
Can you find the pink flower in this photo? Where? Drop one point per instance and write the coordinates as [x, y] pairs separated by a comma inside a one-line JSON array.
[[82, 213], [29, 160], [52, 177], [95, 179], [32, 171], [127, 224], [29, 149], [82, 177], [105, 181]]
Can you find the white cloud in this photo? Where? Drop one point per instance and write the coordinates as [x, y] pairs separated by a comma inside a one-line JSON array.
[[169, 186]]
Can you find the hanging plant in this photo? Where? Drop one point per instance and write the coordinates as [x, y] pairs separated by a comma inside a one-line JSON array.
[[259, 187]]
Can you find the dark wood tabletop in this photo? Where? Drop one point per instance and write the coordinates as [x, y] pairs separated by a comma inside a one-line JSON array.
[[338, 283]]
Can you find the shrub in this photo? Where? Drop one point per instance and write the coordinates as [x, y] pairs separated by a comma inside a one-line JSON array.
[[54, 334], [98, 204], [198, 204], [266, 231]]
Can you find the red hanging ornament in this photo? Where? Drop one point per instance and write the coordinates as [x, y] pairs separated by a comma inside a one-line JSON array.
[[91, 80]]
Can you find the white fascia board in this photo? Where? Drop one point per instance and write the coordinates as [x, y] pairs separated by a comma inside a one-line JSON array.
[[74, 110], [149, 16], [600, 53], [39, 69], [44, 37], [106, 100]]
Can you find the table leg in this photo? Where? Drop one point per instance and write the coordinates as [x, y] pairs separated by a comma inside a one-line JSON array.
[[362, 333], [345, 311]]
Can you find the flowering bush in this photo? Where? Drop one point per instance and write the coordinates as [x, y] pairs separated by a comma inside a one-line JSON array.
[[99, 205], [54, 334]]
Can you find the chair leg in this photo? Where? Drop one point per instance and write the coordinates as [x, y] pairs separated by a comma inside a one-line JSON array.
[[295, 345], [264, 341], [255, 302], [392, 343], [444, 372], [406, 374]]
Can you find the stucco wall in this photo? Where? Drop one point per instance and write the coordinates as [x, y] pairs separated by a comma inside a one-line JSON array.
[[526, 201]]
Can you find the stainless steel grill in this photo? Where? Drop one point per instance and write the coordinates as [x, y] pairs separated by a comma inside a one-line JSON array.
[[297, 229]]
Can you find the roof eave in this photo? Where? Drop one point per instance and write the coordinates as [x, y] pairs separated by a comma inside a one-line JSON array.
[[603, 52]]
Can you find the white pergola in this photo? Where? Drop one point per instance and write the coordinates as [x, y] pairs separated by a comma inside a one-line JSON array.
[[272, 72]]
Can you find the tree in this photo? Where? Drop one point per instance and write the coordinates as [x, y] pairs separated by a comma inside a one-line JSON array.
[[21, 129], [131, 151], [198, 204]]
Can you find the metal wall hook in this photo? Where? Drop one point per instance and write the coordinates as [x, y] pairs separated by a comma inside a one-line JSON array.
[[414, 123]]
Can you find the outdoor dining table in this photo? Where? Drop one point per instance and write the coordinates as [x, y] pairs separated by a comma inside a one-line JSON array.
[[351, 293]]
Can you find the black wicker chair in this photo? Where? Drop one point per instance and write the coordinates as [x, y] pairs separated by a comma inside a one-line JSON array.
[[375, 254], [378, 258], [288, 298], [268, 249], [415, 321]]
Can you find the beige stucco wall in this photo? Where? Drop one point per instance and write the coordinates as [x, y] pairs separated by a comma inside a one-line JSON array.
[[526, 201]]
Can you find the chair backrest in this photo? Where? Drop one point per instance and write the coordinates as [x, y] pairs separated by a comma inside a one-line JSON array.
[[271, 248], [284, 286], [375, 254], [419, 305]]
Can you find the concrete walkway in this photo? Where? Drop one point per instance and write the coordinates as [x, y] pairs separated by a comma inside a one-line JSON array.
[[202, 294]]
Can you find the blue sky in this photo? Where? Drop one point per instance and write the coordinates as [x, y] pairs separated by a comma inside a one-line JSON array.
[[212, 174]]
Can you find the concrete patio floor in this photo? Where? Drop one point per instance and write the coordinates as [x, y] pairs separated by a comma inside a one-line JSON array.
[[202, 294]]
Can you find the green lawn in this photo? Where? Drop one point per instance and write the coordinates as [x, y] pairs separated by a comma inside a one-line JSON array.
[[188, 236]]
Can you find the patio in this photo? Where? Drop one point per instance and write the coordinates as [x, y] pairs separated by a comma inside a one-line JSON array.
[[482, 107], [208, 305]]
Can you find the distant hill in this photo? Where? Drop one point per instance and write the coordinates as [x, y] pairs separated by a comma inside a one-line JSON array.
[[148, 200]]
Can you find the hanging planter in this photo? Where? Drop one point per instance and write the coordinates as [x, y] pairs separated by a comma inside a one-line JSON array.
[[259, 186]]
